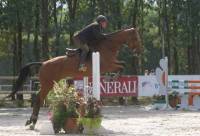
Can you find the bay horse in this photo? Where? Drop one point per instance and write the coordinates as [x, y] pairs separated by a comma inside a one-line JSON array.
[[61, 67]]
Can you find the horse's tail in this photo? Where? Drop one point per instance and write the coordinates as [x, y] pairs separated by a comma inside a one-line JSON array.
[[23, 74]]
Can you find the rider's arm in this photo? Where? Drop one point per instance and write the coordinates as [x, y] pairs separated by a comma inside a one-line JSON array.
[[98, 34]]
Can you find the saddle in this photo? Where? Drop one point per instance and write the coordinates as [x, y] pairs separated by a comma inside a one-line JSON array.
[[71, 52]]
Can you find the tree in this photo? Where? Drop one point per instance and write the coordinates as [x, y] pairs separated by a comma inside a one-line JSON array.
[[27, 26]]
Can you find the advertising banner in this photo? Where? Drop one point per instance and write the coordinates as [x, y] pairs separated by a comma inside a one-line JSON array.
[[148, 86], [122, 86], [144, 85]]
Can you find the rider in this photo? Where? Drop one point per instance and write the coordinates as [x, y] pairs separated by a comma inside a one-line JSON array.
[[90, 33]]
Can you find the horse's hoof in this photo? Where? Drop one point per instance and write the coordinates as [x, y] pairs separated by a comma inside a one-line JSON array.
[[28, 122], [32, 127], [80, 128]]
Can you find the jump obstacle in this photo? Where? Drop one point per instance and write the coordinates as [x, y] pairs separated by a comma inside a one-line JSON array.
[[93, 91], [191, 97], [162, 78]]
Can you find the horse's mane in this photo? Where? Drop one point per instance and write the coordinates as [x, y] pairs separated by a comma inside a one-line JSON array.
[[109, 35], [116, 32]]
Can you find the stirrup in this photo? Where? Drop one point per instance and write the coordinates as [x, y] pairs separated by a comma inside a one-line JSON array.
[[82, 68]]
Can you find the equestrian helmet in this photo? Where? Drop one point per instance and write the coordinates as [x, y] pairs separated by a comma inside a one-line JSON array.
[[101, 18]]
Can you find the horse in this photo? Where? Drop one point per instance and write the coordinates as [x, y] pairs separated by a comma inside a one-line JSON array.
[[60, 67]]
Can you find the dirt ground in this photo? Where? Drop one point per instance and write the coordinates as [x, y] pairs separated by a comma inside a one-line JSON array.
[[117, 121]]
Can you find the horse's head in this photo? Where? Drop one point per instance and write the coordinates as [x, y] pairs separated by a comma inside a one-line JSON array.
[[133, 40], [115, 40]]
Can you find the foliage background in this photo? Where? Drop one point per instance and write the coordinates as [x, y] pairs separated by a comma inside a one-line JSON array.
[[36, 30]]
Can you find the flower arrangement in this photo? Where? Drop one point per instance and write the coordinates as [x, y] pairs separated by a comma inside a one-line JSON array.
[[64, 105], [174, 99], [67, 106], [92, 118]]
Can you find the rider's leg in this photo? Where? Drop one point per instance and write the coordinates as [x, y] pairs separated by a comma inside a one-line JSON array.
[[84, 53]]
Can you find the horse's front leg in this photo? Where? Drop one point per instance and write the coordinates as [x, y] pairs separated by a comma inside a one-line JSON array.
[[119, 69], [121, 63], [118, 66], [115, 71]]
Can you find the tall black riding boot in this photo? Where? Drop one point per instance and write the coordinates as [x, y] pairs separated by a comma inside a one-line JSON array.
[[82, 66]]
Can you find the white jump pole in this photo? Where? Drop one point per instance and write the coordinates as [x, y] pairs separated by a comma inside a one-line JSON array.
[[96, 74], [85, 87], [162, 78]]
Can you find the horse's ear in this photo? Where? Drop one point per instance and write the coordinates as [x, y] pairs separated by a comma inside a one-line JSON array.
[[134, 28], [137, 29], [130, 27]]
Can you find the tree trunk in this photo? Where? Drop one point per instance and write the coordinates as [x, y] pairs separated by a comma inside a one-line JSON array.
[[135, 61], [45, 29], [72, 5], [57, 29], [193, 36], [189, 57], [14, 58], [93, 5], [27, 46], [196, 54], [135, 13], [19, 49], [175, 57], [176, 60], [115, 8], [167, 34], [102, 6], [141, 26], [36, 50]]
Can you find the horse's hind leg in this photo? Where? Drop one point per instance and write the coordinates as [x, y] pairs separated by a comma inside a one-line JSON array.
[[39, 102]]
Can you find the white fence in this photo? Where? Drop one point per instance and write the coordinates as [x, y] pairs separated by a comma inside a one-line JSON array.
[[30, 86]]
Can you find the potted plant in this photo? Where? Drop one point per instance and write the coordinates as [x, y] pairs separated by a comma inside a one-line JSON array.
[[64, 107], [92, 118], [174, 99]]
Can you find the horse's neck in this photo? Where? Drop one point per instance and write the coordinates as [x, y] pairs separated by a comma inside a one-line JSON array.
[[110, 47], [112, 44], [118, 39]]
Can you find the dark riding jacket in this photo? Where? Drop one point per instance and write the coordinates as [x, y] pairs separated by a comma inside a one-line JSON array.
[[91, 33]]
